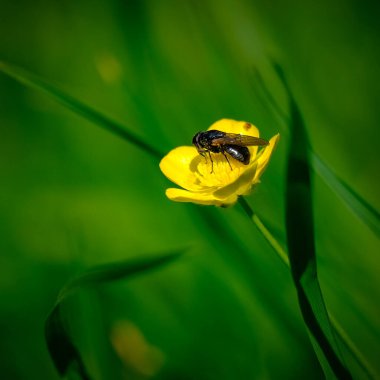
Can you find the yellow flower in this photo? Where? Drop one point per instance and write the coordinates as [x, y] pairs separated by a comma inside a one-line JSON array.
[[221, 187]]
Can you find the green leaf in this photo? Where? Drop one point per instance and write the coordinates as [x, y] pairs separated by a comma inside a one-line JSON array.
[[63, 351], [32, 81], [362, 209], [283, 256], [265, 232], [301, 250]]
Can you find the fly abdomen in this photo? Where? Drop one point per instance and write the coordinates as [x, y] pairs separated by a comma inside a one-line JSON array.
[[240, 153]]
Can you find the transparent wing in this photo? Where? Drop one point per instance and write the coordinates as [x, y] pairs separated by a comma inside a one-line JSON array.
[[236, 139]]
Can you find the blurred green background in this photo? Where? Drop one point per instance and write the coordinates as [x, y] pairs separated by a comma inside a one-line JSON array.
[[73, 195]]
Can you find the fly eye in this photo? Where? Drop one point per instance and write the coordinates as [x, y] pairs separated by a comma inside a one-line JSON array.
[[196, 139]]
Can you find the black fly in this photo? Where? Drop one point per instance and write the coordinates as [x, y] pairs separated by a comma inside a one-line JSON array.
[[235, 145]]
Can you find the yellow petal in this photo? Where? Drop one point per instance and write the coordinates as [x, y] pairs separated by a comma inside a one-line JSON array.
[[233, 126], [264, 158], [222, 185], [180, 195], [238, 127], [241, 186], [176, 166]]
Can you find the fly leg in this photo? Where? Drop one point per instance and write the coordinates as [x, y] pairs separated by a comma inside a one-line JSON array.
[[212, 162], [224, 154], [204, 154]]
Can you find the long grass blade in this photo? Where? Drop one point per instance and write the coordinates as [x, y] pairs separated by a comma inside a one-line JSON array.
[[265, 232], [362, 209], [301, 249], [358, 206], [32, 81], [283, 256], [64, 353]]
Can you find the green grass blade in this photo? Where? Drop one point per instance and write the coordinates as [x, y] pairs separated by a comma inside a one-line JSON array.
[[283, 256], [116, 271], [266, 97], [32, 81], [301, 250], [63, 352], [265, 232], [65, 355], [362, 209]]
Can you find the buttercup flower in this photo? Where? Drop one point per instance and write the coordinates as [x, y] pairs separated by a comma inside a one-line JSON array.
[[220, 184]]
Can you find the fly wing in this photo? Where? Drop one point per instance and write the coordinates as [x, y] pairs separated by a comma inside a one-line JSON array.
[[241, 140]]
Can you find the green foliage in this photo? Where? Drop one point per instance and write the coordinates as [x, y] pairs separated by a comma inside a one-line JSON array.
[[74, 196], [301, 247], [65, 355]]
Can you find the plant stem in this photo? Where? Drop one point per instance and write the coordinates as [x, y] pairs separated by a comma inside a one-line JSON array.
[[264, 231], [340, 332]]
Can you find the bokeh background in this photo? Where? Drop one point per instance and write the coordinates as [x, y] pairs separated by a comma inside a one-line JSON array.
[[73, 195]]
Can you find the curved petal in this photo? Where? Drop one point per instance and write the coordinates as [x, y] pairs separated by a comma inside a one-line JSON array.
[[228, 180], [176, 166], [241, 186], [233, 126], [180, 195], [238, 127], [264, 158]]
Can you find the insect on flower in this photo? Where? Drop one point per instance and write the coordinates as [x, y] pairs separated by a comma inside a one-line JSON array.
[[187, 167], [235, 145]]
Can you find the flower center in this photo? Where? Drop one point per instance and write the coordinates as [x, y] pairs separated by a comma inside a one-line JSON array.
[[218, 172]]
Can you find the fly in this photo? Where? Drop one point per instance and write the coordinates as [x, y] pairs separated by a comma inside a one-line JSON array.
[[232, 144]]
